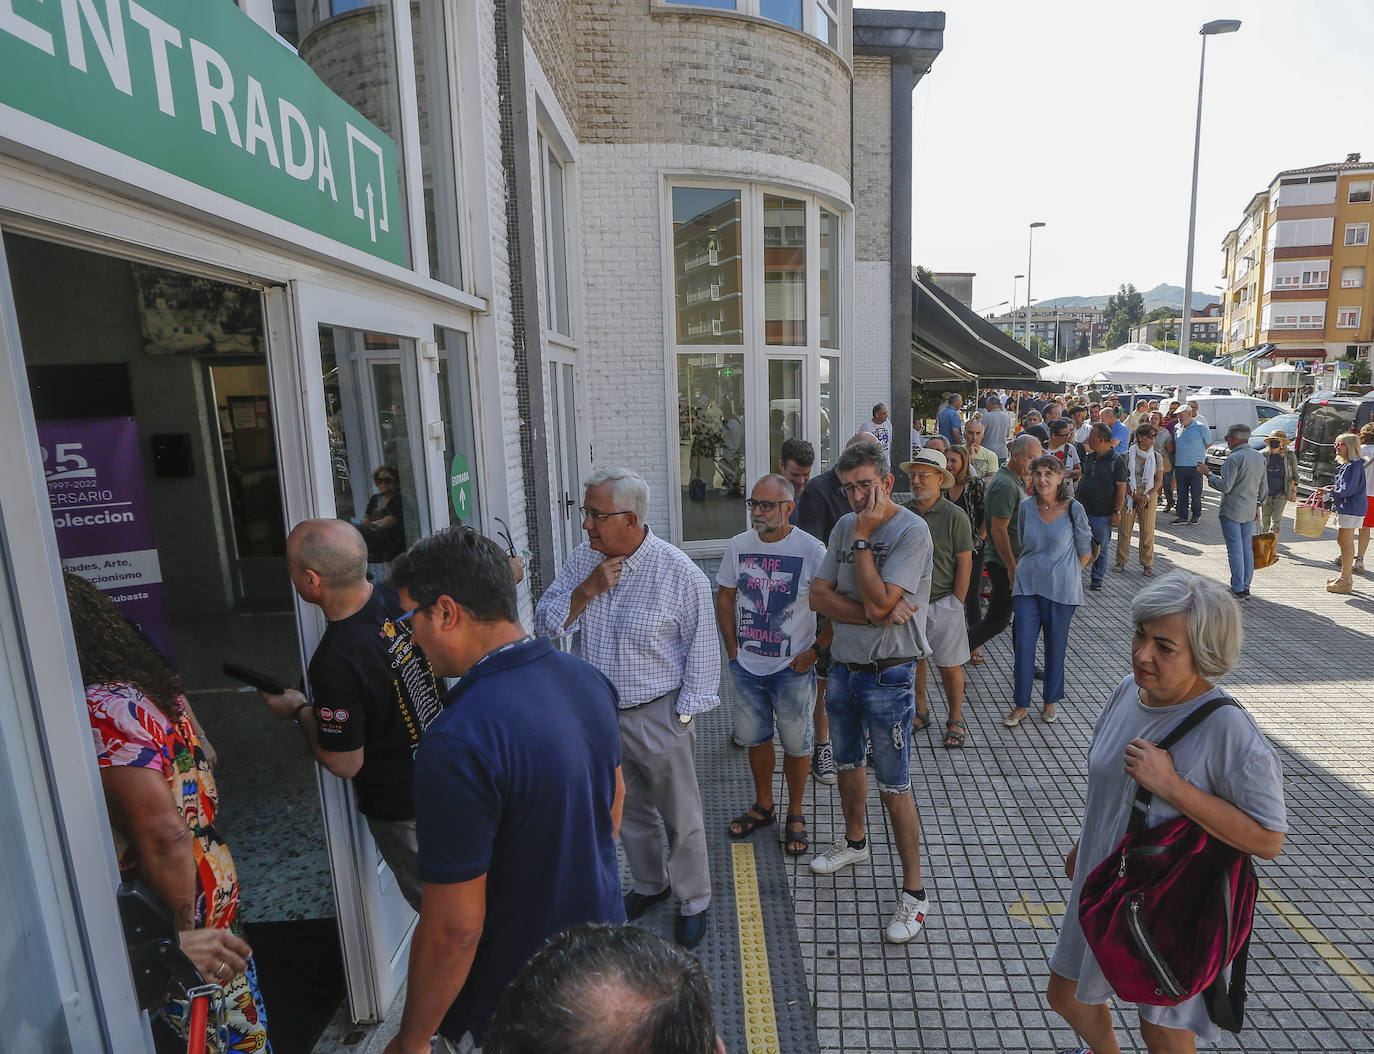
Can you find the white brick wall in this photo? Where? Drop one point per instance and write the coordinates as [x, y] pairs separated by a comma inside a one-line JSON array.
[[873, 158], [624, 353], [872, 372]]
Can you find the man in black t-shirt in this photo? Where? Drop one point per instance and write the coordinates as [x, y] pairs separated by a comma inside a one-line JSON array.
[[372, 690], [1102, 492]]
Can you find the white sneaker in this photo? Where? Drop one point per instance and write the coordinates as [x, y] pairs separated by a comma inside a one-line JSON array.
[[839, 856], [823, 764], [906, 923]]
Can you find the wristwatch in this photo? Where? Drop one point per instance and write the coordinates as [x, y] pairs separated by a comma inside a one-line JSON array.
[[684, 719], [860, 545]]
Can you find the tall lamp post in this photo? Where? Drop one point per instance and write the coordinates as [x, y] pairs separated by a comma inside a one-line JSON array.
[[1211, 29], [1012, 310], [1030, 245]]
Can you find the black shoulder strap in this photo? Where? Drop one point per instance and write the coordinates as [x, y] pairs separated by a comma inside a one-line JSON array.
[[1140, 808]]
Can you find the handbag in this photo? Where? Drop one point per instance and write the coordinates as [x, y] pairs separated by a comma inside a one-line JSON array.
[[1265, 548], [1171, 907], [1311, 516]]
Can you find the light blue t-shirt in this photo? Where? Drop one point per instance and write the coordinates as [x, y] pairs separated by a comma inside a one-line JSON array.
[[1190, 445], [948, 421], [1048, 565]]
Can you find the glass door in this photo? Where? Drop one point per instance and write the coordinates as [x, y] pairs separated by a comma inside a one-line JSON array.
[[567, 469], [375, 440]]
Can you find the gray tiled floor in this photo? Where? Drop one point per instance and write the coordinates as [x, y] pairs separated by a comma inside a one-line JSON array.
[[998, 816]]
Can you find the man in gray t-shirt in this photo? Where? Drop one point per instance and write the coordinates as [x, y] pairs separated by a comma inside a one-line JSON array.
[[874, 579]]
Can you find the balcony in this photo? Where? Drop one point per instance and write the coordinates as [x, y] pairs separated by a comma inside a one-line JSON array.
[[706, 292]]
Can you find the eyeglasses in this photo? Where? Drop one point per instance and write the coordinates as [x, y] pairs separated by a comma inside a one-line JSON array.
[[383, 479], [600, 517], [766, 506], [411, 613], [858, 486]]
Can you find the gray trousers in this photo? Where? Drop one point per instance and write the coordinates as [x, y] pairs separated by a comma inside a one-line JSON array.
[[656, 757], [396, 842]]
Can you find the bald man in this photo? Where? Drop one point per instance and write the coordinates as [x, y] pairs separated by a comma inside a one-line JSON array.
[[372, 690]]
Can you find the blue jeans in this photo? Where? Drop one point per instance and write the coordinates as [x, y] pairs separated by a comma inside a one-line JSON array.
[[882, 704], [1189, 481], [1034, 614], [1239, 553], [787, 696], [1101, 527]]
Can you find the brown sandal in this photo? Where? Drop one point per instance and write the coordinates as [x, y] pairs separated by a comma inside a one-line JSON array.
[[750, 821], [800, 839]]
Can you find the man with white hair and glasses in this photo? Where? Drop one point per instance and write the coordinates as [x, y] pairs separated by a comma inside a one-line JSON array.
[[647, 621]]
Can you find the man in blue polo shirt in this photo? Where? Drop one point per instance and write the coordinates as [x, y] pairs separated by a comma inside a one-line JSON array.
[[518, 791]]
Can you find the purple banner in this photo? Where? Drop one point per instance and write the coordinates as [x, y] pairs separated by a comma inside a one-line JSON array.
[[99, 500]]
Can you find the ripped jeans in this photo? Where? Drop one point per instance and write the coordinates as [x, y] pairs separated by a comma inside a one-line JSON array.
[[881, 704]]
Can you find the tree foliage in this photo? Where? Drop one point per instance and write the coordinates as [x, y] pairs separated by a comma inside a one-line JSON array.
[[1082, 350], [1125, 308]]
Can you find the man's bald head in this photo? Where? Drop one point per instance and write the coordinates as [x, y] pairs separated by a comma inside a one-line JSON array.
[[333, 549], [862, 437]]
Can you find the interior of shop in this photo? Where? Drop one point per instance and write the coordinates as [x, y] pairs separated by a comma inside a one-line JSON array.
[[107, 341]]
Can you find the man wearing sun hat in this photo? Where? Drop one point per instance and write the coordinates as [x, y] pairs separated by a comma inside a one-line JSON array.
[[951, 567]]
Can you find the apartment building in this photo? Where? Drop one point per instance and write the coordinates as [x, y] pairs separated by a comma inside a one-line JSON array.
[[1059, 327], [1298, 269], [1204, 328]]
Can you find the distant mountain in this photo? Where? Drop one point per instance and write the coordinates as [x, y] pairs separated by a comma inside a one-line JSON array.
[[1160, 296]]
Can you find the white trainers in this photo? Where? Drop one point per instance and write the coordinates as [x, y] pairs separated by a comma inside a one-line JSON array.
[[823, 764], [907, 922], [839, 856]]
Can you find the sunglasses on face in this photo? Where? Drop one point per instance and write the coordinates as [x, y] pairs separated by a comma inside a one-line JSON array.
[[383, 479]]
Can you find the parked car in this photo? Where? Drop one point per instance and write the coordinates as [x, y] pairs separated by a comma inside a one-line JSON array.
[[1223, 411], [1216, 453], [1323, 417]]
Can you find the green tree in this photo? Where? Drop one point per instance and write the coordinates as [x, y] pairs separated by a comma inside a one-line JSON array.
[[1082, 349], [1125, 308]]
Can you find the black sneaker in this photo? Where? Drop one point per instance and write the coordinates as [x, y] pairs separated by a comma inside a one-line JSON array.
[[1095, 585]]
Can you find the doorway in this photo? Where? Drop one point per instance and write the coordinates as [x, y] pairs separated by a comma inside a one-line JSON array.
[[153, 400]]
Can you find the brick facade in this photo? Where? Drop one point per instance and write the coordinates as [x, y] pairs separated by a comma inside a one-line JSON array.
[[873, 158]]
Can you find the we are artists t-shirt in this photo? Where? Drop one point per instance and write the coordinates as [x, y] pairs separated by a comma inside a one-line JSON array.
[[773, 618]]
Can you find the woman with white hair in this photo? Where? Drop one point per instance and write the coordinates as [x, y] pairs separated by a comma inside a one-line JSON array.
[[1348, 503], [1223, 775]]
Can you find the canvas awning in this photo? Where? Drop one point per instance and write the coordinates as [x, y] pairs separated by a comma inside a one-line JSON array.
[[952, 345], [1140, 364]]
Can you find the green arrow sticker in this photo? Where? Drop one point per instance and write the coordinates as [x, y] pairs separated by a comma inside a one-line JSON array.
[[460, 486]]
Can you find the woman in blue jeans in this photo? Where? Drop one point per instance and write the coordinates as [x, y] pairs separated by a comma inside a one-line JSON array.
[[1047, 583]]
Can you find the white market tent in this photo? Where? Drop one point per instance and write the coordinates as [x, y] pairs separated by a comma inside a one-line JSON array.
[[1141, 364], [1281, 370]]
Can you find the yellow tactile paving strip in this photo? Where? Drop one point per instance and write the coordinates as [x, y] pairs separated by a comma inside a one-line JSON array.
[[760, 1025]]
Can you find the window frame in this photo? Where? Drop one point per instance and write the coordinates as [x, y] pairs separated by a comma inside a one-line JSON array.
[[1346, 283], [752, 11], [1348, 318], [1360, 231], [1368, 188], [753, 348]]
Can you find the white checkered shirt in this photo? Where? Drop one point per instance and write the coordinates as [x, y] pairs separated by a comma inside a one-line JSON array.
[[653, 633]]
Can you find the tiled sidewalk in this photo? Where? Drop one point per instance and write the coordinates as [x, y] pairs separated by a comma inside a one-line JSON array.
[[999, 815]]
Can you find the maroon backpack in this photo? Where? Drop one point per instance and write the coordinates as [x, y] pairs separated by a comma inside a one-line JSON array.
[[1171, 907]]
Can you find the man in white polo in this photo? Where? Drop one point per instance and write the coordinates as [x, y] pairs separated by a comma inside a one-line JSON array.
[[951, 534]]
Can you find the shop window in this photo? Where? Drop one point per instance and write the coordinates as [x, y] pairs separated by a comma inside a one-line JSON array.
[[828, 447], [786, 401], [711, 434], [784, 270], [829, 268], [553, 193], [707, 266]]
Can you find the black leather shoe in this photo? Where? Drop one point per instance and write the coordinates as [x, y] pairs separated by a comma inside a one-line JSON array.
[[1039, 674], [689, 929], [636, 904]]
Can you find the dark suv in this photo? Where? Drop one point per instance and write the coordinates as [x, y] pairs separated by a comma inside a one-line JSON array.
[[1324, 417]]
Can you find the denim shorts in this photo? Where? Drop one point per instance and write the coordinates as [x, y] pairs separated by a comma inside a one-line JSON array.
[[882, 704], [785, 696]]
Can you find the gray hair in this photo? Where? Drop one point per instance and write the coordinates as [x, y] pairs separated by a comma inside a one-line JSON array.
[[629, 492], [859, 454], [1021, 444], [1242, 432], [783, 484], [1215, 633]]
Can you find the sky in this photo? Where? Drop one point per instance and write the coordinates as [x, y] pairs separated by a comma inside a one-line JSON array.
[[1080, 114]]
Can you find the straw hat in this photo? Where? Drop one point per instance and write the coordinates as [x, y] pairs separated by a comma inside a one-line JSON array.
[[1280, 435], [934, 459]]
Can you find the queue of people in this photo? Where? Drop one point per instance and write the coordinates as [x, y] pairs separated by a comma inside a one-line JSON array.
[[834, 609]]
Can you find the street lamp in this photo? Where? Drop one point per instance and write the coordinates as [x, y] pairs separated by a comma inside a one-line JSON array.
[[1012, 310], [1211, 29], [1030, 245]]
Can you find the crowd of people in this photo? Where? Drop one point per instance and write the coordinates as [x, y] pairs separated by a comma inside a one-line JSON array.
[[836, 609]]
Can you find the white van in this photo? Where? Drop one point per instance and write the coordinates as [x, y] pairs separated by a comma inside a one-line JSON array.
[[1222, 411]]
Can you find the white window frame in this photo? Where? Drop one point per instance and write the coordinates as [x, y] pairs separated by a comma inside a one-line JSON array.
[[752, 347], [1356, 282], [1357, 234], [752, 10], [1348, 318], [1366, 186]]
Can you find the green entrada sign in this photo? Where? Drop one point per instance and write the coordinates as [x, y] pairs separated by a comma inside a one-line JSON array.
[[199, 90], [460, 486]]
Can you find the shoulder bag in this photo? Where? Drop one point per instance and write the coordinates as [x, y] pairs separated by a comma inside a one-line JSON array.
[[1171, 907]]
